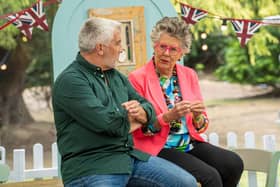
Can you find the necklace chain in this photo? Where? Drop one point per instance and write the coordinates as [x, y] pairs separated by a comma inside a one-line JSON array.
[[175, 125]]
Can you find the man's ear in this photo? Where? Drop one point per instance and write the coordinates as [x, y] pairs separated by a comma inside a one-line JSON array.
[[99, 49]]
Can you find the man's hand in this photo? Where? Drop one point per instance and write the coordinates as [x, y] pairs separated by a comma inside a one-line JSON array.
[[136, 111], [134, 125]]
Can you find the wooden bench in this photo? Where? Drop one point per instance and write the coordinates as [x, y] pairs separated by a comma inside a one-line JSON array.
[[41, 183], [258, 160]]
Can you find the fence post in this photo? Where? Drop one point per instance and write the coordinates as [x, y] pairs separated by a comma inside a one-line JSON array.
[[54, 155], [269, 142], [38, 157], [204, 136], [249, 140], [3, 155], [250, 143], [214, 138], [231, 140], [19, 164]]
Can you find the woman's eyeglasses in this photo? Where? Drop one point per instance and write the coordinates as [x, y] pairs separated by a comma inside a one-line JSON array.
[[162, 48]]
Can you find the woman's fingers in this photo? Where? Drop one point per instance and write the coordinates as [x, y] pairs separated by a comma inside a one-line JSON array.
[[197, 107]]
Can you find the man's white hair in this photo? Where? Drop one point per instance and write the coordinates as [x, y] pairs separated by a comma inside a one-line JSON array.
[[97, 30]]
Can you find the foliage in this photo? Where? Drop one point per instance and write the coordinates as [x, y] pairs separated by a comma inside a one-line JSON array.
[[256, 63], [9, 34], [39, 71], [264, 70], [212, 57], [199, 67]]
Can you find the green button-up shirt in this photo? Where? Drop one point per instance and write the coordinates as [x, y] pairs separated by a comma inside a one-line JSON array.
[[92, 127]]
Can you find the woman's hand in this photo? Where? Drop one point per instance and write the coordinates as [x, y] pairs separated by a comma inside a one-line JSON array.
[[200, 121], [197, 107], [178, 111]]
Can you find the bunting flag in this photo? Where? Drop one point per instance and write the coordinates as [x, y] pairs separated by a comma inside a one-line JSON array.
[[29, 18], [245, 29], [23, 23], [34, 16], [191, 15], [38, 16]]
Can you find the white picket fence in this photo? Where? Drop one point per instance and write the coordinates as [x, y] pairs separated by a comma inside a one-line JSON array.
[[20, 173]]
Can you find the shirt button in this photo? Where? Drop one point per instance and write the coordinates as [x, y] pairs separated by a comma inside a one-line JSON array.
[[126, 145], [98, 69], [102, 76]]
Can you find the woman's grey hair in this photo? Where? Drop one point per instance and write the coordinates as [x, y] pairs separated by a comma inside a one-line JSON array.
[[97, 30], [175, 27]]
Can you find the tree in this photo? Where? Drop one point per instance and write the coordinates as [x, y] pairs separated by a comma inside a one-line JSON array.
[[257, 62], [264, 68], [19, 55]]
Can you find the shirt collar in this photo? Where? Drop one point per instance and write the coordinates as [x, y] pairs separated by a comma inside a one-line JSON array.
[[91, 67]]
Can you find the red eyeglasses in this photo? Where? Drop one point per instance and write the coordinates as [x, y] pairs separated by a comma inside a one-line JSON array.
[[162, 48]]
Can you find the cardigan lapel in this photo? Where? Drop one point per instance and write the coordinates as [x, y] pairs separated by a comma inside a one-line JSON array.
[[154, 88], [184, 83]]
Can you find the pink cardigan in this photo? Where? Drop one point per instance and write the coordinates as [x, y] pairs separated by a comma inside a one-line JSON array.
[[146, 82]]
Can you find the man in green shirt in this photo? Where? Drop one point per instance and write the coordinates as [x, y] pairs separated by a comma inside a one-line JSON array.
[[95, 110]]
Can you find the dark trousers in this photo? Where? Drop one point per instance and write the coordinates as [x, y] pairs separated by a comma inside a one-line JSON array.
[[212, 166]]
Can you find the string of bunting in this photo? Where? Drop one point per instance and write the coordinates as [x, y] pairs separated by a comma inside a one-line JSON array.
[[34, 16], [25, 20], [243, 28]]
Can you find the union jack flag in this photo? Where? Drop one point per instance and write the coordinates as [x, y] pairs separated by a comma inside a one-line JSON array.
[[191, 15], [23, 23], [37, 14], [32, 17], [245, 29]]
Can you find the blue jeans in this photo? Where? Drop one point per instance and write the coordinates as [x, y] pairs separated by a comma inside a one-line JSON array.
[[156, 172]]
